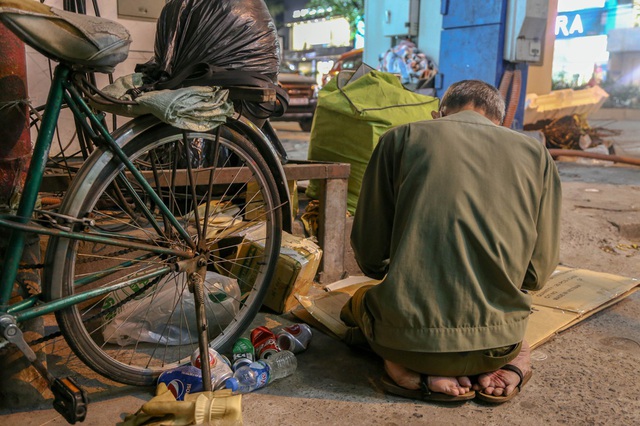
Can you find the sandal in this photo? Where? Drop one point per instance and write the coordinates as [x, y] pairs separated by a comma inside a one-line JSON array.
[[524, 378], [424, 393]]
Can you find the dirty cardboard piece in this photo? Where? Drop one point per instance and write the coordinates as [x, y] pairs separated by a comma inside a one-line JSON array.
[[569, 297], [295, 271]]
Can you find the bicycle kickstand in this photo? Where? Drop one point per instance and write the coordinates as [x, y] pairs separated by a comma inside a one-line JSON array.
[[69, 399]]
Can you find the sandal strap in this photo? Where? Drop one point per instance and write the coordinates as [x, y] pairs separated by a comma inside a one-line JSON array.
[[424, 384], [511, 367]]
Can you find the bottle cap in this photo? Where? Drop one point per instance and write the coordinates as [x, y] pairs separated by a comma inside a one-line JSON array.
[[232, 384]]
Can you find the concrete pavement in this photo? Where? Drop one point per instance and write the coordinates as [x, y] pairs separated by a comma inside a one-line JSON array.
[[587, 375]]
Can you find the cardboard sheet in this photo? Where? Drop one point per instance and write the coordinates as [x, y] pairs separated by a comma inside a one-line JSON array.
[[570, 296]]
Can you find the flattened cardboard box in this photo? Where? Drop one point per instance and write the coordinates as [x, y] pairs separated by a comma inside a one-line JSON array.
[[296, 268], [571, 296], [568, 297]]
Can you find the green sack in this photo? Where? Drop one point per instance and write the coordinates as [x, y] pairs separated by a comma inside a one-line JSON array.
[[352, 115]]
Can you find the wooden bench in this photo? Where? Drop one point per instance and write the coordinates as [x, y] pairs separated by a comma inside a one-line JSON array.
[[333, 180]]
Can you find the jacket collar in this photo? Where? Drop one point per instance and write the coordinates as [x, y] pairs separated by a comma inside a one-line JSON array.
[[469, 116]]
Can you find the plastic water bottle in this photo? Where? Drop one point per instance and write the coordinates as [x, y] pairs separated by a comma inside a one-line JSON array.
[[281, 365], [260, 373]]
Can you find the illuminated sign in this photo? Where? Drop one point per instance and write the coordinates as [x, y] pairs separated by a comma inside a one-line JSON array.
[[562, 25], [333, 32], [568, 5], [580, 23]]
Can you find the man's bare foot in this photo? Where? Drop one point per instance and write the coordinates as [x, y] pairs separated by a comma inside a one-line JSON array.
[[411, 380], [503, 382]]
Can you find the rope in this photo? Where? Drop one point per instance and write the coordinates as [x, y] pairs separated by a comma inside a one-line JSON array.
[[14, 104], [509, 88], [18, 103]]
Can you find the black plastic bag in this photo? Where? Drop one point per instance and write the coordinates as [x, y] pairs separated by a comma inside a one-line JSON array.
[[230, 34]]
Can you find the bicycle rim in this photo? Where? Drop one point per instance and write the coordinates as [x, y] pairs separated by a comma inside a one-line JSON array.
[[132, 334]]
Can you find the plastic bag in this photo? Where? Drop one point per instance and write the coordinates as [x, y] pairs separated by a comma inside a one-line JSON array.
[[408, 61], [231, 34], [167, 316]]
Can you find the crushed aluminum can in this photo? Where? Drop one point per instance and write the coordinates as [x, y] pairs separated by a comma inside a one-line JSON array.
[[195, 358], [220, 367], [294, 338], [182, 380], [221, 370], [264, 342], [243, 353]]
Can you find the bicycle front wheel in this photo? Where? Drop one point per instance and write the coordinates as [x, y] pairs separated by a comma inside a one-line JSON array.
[[222, 208]]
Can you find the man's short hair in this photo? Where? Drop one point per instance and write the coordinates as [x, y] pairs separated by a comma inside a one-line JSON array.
[[482, 95]]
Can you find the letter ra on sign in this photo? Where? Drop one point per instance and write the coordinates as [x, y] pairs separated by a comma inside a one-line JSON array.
[[562, 25]]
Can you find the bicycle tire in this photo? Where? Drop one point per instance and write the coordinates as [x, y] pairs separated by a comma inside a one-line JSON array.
[[85, 326]]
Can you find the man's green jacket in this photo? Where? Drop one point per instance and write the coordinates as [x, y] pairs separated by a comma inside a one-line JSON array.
[[457, 215]]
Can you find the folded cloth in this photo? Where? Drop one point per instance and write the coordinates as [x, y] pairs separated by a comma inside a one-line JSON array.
[[220, 407], [310, 218], [196, 108]]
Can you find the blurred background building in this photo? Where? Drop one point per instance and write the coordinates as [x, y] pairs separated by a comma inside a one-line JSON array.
[[313, 37]]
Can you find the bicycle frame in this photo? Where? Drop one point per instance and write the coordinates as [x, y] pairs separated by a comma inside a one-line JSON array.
[[63, 90]]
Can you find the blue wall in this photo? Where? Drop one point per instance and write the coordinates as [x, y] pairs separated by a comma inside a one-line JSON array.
[[465, 38]]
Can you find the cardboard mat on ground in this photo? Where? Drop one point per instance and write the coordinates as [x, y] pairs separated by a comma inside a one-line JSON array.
[[570, 296]]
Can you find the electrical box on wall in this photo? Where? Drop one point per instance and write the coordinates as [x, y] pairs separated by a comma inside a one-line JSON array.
[[143, 10], [401, 17], [525, 28]]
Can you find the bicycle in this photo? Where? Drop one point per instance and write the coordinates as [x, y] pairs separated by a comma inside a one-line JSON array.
[[150, 214]]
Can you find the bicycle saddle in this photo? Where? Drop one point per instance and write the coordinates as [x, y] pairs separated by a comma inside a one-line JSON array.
[[88, 42]]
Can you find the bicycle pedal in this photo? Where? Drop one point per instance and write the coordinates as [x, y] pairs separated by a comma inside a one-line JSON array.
[[69, 399]]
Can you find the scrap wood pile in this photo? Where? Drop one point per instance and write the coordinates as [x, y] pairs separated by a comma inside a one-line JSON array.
[[572, 132]]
